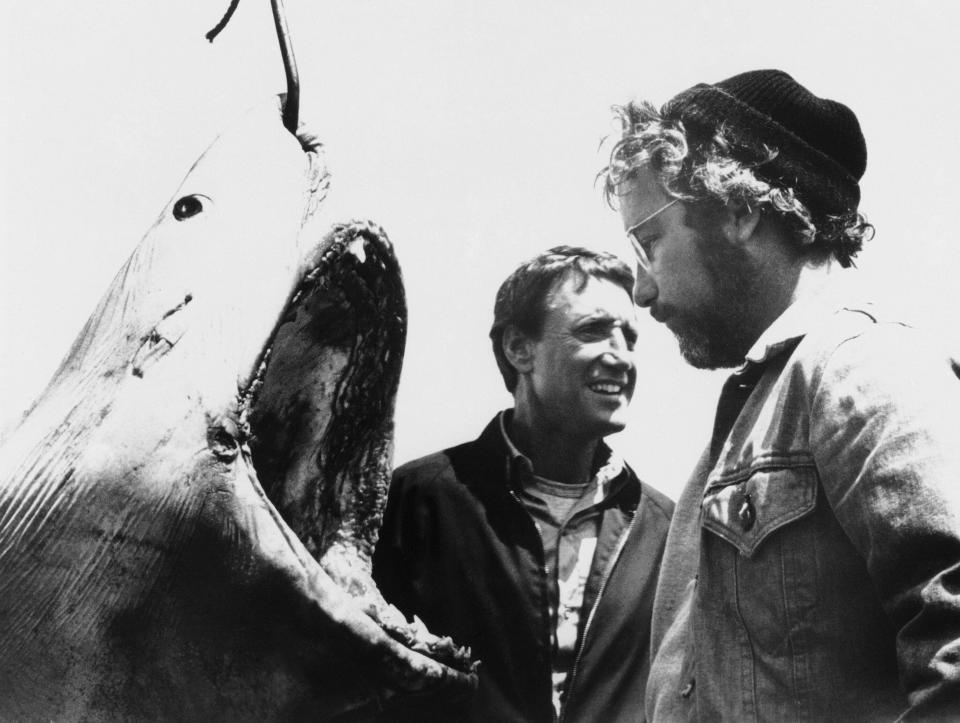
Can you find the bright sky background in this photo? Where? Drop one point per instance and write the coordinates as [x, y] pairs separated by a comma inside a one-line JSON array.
[[469, 130]]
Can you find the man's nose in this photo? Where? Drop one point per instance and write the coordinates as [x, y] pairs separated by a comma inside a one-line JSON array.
[[620, 352], [644, 288]]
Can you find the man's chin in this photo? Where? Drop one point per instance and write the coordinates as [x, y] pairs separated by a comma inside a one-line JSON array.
[[704, 352], [611, 425]]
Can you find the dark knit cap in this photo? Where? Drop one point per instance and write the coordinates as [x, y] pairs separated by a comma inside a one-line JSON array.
[[821, 153]]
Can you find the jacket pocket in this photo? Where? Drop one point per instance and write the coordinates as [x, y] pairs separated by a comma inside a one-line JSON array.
[[748, 510], [760, 571]]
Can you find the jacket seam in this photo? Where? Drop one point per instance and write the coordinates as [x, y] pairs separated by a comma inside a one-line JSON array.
[[763, 463]]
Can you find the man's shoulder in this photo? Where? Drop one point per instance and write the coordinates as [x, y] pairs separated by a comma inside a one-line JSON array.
[[654, 498], [650, 496], [430, 466], [866, 352], [458, 463], [866, 330]]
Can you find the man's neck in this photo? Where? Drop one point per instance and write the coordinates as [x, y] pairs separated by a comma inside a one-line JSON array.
[[813, 279], [554, 454], [783, 277], [811, 282]]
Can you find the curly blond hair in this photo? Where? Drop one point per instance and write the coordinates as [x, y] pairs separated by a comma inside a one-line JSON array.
[[717, 170]]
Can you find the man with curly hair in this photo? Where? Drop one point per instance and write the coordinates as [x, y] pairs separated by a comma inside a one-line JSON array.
[[812, 568]]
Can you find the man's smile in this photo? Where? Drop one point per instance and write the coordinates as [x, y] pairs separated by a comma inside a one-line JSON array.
[[610, 387]]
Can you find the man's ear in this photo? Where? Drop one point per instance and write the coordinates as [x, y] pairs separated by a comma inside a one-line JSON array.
[[518, 348], [740, 222]]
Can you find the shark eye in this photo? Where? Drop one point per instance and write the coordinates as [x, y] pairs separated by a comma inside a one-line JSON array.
[[188, 206]]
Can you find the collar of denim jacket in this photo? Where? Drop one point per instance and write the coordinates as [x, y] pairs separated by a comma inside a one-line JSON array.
[[822, 294]]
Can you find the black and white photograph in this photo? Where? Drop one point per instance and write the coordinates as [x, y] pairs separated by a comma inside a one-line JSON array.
[[459, 361]]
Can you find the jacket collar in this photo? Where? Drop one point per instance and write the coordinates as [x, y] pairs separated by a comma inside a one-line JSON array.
[[807, 311], [606, 467]]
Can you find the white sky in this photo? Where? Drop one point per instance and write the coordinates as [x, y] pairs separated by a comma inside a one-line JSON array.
[[469, 130]]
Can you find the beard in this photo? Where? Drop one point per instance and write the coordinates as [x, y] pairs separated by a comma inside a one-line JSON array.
[[718, 335], [711, 346]]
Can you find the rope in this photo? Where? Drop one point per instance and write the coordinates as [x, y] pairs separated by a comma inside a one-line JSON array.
[[223, 21], [291, 107]]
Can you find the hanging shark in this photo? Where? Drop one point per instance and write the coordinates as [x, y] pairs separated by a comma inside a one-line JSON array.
[[187, 511]]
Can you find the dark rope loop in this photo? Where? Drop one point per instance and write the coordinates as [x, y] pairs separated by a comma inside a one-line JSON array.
[[223, 21], [291, 108]]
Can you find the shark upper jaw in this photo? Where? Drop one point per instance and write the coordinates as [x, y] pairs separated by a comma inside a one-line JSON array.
[[322, 446]]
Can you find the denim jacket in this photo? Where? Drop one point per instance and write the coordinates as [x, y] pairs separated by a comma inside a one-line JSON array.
[[812, 569]]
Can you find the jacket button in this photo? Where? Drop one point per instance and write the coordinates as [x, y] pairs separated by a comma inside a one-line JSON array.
[[686, 690], [746, 513]]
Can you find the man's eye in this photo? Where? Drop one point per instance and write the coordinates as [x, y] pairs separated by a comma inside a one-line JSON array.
[[592, 331], [648, 244]]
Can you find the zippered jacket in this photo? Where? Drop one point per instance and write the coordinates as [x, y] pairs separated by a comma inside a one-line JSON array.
[[458, 550]]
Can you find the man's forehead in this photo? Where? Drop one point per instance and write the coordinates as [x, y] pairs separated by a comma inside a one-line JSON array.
[[582, 296], [641, 194]]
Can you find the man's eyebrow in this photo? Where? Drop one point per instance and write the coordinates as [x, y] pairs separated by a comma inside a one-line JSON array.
[[596, 314], [601, 316]]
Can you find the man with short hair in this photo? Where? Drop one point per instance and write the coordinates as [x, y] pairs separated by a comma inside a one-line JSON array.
[[535, 544], [812, 569]]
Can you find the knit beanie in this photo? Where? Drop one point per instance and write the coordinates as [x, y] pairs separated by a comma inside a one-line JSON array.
[[821, 153]]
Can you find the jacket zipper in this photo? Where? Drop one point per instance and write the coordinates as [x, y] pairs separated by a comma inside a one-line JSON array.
[[621, 543], [543, 564], [536, 526]]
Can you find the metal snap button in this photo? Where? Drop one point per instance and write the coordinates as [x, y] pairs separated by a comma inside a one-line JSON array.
[[747, 513]]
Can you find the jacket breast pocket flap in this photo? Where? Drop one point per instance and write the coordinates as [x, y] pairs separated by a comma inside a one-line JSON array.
[[747, 511]]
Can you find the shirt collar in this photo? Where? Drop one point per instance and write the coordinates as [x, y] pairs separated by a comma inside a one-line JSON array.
[[511, 447], [607, 463], [795, 321]]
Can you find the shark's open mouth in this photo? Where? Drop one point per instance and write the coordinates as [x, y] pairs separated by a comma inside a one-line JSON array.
[[320, 418], [320, 414]]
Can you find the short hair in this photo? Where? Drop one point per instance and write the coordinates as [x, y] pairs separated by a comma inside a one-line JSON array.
[[522, 298], [710, 171]]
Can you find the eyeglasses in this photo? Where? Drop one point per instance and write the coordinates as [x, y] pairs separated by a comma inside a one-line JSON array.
[[634, 237]]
